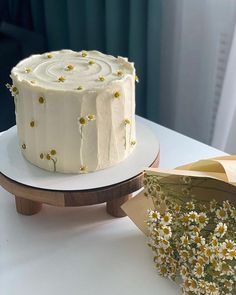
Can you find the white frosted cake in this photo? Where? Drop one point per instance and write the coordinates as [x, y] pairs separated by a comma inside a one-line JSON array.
[[75, 111]]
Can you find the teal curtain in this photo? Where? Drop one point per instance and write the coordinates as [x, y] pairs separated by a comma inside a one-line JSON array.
[[119, 27]]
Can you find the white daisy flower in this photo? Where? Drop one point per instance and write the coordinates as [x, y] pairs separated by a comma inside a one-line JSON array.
[[184, 255], [227, 205], [232, 254], [199, 271], [226, 269], [221, 213], [212, 289], [184, 240], [197, 239], [184, 271], [214, 242], [233, 213], [153, 215], [166, 219], [202, 219], [165, 232], [193, 285], [229, 284], [229, 244], [220, 229], [161, 251], [164, 243], [185, 219], [223, 253], [190, 206], [193, 215], [13, 89]]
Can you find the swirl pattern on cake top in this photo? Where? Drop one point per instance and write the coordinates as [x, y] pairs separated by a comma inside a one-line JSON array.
[[85, 69]]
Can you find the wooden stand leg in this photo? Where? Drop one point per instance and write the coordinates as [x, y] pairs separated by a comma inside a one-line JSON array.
[[113, 206], [27, 207]]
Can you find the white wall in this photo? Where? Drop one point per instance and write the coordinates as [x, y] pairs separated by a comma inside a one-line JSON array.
[[196, 38]]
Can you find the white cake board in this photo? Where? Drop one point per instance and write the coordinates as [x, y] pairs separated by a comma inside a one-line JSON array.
[[16, 167]]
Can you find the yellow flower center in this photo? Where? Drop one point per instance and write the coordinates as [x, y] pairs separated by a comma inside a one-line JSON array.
[[185, 241], [232, 254], [126, 121], [166, 218], [234, 213], [48, 157], [224, 252], [162, 251], [222, 213], [185, 219], [166, 231], [202, 248], [193, 216], [101, 78], [84, 54], [154, 215], [229, 245], [82, 121], [91, 117], [221, 230], [28, 70], [197, 240], [195, 229], [208, 252], [117, 94], [83, 168], [32, 124], [212, 288], [70, 67], [163, 270], [202, 219], [199, 270], [41, 99], [193, 284], [53, 152], [119, 73], [214, 242], [61, 79]]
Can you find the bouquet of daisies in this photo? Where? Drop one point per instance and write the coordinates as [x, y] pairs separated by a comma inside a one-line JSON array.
[[190, 222]]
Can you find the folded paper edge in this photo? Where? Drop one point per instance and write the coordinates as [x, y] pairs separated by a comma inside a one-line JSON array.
[[136, 208]]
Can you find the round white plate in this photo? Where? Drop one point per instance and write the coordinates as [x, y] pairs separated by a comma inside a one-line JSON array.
[[14, 165]]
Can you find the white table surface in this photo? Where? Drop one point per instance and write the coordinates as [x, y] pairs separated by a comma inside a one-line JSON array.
[[84, 251]]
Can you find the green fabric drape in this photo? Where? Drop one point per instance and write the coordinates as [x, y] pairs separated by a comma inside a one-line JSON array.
[[119, 27]]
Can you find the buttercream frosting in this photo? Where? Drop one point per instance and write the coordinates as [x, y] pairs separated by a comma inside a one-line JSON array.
[[75, 110]]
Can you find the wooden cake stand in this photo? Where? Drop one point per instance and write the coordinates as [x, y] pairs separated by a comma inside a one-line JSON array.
[[30, 193]]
